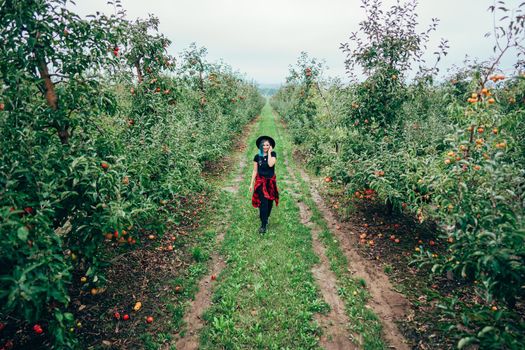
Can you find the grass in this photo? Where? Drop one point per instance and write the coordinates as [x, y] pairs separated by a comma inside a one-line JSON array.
[[266, 297], [352, 290]]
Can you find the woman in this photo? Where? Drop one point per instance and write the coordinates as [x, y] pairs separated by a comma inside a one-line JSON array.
[[265, 191]]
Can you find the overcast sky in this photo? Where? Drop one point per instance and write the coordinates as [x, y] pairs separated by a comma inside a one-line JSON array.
[[262, 38]]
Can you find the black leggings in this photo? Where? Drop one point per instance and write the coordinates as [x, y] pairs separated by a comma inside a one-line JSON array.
[[266, 207]]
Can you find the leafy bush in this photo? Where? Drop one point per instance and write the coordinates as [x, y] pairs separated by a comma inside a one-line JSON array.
[[99, 130], [451, 152]]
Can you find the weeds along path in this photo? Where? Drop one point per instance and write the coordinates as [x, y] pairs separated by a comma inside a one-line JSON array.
[[335, 324], [388, 304], [289, 288], [277, 289], [188, 337], [266, 296]]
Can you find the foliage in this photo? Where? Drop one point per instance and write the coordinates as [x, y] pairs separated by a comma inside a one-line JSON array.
[[386, 49], [451, 152], [97, 135]]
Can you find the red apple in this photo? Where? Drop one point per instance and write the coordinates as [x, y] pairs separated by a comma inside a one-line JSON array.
[[38, 329], [28, 210]]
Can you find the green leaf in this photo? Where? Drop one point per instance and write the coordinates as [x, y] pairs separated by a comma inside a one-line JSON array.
[[485, 329], [22, 233], [465, 341]]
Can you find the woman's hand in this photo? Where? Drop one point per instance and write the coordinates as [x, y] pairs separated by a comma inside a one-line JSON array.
[[251, 188], [270, 150]]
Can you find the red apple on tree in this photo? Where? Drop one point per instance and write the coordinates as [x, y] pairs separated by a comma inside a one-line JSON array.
[[38, 329]]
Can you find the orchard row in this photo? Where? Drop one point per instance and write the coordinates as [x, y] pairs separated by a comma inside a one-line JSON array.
[[451, 152], [102, 134]]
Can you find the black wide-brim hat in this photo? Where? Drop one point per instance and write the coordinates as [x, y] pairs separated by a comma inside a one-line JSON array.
[[258, 141]]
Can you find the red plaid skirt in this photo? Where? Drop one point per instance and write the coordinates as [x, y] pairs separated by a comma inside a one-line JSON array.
[[269, 189]]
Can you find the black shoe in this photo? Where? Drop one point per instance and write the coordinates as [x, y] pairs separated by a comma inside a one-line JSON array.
[[262, 229]]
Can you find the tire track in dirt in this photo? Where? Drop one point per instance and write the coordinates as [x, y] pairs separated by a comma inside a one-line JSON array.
[[387, 304], [202, 301], [334, 324]]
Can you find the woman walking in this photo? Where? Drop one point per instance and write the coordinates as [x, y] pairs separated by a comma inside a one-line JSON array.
[[265, 190]]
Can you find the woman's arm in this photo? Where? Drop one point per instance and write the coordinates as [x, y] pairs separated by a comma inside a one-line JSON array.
[[254, 174], [271, 159]]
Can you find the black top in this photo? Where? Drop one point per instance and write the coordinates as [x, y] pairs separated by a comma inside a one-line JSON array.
[[262, 166]]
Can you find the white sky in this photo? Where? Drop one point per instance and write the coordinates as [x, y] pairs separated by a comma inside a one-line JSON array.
[[262, 38]]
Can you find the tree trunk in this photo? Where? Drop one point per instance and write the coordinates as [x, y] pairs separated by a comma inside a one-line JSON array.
[[201, 79], [52, 99], [139, 72], [51, 96]]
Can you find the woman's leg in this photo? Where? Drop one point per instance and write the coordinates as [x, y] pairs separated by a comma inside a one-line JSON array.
[[263, 209], [270, 205]]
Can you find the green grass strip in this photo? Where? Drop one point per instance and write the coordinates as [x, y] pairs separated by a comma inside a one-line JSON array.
[[213, 220], [352, 290], [266, 297]]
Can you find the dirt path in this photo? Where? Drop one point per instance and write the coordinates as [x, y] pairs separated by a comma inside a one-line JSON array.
[[388, 304], [385, 302], [335, 323], [202, 301]]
